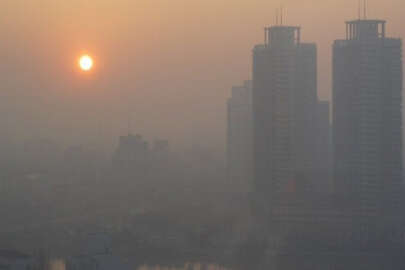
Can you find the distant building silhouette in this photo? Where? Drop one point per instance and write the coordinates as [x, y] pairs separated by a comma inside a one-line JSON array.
[[240, 141], [12, 259], [284, 105], [367, 98], [132, 154]]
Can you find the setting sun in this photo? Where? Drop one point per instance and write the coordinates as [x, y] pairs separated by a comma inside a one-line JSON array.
[[86, 62]]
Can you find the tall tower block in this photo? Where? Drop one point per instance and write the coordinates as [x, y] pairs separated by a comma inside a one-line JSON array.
[[284, 98], [367, 100]]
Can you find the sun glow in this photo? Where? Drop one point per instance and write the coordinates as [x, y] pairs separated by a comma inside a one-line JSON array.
[[85, 62]]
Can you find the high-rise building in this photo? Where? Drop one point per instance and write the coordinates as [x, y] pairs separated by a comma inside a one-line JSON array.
[[367, 100], [240, 141], [132, 155], [284, 104]]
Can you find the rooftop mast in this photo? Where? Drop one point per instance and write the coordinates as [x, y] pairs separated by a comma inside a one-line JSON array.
[[365, 9], [359, 10]]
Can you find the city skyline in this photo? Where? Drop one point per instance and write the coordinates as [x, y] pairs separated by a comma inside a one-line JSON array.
[[138, 36], [202, 135], [320, 188]]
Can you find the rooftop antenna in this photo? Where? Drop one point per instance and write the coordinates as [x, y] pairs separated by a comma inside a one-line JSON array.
[[276, 16], [365, 9], [129, 120], [359, 10], [129, 124]]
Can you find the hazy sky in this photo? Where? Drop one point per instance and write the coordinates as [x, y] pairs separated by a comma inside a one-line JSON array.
[[169, 64]]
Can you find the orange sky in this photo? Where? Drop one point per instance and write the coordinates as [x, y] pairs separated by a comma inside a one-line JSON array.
[[167, 63]]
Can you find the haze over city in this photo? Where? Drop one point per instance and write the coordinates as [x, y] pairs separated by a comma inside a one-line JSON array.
[[201, 135], [167, 64]]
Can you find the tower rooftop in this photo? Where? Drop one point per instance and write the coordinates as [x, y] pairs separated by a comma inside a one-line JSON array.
[[282, 35], [365, 21], [365, 29]]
